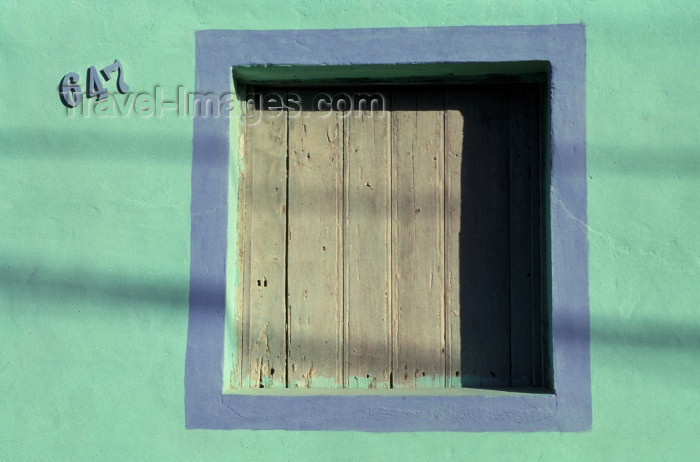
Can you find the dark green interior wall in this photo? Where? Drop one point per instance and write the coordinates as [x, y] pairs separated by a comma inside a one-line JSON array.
[[94, 249]]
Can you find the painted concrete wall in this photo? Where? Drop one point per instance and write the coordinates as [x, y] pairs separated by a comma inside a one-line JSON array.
[[95, 229]]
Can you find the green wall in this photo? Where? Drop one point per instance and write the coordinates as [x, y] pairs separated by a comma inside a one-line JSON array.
[[94, 234]]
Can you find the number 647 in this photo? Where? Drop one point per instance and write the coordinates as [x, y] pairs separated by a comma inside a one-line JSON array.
[[71, 93]]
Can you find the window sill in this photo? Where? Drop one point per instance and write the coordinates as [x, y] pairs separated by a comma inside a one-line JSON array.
[[390, 392]]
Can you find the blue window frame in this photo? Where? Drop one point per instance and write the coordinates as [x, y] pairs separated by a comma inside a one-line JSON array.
[[568, 406]]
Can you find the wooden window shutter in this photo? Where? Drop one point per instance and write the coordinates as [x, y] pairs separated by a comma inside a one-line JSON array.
[[394, 248]]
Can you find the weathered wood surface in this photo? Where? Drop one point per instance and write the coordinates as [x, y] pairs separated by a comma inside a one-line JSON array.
[[522, 124], [264, 348], [526, 259], [315, 249], [412, 241], [454, 129], [418, 239], [537, 226], [484, 241], [367, 250]]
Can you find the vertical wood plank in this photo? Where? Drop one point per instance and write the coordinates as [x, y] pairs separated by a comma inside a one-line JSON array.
[[264, 352], [539, 354], [454, 133], [243, 256], [418, 240], [484, 246], [315, 300], [367, 253], [520, 210]]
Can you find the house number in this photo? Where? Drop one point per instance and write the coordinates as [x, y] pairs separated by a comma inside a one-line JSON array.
[[72, 95]]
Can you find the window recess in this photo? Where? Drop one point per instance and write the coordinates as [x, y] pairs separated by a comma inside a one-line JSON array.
[[392, 238]]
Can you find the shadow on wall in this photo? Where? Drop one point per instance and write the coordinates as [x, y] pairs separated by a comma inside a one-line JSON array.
[[36, 280]]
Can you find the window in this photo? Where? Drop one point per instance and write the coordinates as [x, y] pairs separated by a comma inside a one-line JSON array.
[[392, 238], [334, 56]]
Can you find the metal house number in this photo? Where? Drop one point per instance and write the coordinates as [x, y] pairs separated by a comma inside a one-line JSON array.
[[72, 95]]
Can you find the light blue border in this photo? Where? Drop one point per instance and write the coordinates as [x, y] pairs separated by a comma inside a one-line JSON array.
[[569, 408]]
